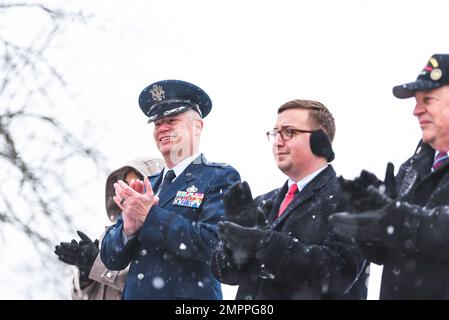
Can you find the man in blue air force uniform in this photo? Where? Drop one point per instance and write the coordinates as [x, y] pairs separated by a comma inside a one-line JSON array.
[[168, 226]]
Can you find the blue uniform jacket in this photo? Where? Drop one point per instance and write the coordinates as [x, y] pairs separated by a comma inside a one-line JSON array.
[[170, 256]]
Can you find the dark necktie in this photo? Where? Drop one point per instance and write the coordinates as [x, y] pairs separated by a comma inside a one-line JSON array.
[[288, 198], [440, 160], [168, 179]]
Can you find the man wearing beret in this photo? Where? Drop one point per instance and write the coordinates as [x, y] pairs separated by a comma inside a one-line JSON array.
[[405, 225], [280, 245], [169, 221]]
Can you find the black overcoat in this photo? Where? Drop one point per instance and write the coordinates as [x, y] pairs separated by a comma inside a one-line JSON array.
[[304, 258], [415, 254]]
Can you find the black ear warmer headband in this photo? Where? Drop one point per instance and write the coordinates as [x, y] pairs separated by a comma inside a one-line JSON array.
[[321, 145]]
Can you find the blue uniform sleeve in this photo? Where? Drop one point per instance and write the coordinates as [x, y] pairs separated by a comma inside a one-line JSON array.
[[114, 254], [190, 239]]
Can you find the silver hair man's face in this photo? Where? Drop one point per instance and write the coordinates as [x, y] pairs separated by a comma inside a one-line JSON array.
[[177, 137]]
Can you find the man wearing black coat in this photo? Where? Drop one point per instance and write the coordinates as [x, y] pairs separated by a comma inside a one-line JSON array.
[[291, 253], [409, 233]]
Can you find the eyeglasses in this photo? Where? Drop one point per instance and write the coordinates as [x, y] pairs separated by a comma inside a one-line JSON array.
[[286, 133]]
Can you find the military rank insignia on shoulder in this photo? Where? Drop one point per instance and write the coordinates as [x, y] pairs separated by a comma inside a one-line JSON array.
[[217, 164], [189, 198]]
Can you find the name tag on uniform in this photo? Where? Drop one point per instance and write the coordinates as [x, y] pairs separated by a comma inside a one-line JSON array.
[[188, 199]]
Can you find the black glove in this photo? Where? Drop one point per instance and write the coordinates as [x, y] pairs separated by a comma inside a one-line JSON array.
[[68, 252], [82, 254], [262, 213], [382, 225], [89, 252], [243, 242], [239, 205], [390, 181], [367, 192]]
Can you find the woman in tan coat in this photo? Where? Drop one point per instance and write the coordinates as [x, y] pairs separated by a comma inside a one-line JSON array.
[[96, 282]]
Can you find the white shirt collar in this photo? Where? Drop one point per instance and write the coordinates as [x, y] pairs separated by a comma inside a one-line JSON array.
[[435, 156], [303, 182], [437, 153], [180, 167]]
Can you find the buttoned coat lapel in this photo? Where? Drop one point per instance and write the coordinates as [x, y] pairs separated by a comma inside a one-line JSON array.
[[304, 195]]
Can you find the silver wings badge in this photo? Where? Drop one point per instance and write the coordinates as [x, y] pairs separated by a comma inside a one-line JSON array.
[[192, 189]]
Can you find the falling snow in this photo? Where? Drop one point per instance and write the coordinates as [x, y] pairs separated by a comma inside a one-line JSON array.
[[390, 230], [158, 283]]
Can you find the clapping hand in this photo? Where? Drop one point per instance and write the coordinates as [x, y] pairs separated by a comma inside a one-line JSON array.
[[367, 192], [239, 205], [81, 254], [135, 201], [244, 242]]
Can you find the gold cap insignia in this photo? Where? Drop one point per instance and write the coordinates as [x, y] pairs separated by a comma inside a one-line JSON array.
[[433, 62], [157, 93], [436, 74]]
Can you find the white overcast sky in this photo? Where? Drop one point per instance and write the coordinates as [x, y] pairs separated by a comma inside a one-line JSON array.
[[251, 56]]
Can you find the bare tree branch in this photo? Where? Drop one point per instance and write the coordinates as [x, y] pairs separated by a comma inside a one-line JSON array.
[[53, 13], [37, 144]]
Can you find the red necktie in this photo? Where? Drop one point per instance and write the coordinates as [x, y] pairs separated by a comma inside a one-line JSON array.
[[288, 198], [440, 160]]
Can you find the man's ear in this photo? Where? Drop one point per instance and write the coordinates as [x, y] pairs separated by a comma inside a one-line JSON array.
[[197, 126]]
